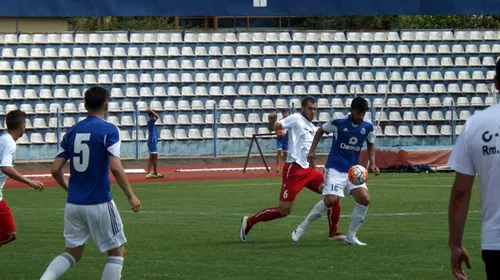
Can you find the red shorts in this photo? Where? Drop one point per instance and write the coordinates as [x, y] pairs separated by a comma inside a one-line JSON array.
[[6, 219], [295, 178]]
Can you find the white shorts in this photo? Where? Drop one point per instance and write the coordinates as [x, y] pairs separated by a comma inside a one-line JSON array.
[[102, 222], [337, 183]]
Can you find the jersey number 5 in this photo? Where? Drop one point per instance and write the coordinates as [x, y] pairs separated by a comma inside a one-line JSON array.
[[81, 162]]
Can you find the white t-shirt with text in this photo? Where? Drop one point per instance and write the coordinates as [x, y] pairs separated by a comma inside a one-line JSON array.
[[477, 151], [300, 136]]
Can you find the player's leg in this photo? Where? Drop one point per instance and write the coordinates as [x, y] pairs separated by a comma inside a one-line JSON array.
[[293, 181], [278, 155], [332, 189], [7, 225], [362, 198], [150, 163], [76, 233], [491, 259], [108, 235], [333, 222]]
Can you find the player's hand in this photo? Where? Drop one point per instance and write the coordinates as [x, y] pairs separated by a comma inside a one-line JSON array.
[[459, 255], [272, 117], [311, 156], [37, 185], [376, 170], [135, 203]]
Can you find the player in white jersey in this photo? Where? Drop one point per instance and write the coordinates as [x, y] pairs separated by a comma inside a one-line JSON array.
[[16, 125], [93, 148], [349, 135], [298, 172], [477, 151]]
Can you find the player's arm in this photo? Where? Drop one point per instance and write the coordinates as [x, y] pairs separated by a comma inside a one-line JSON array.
[[12, 173], [154, 113], [370, 150], [56, 171], [458, 207], [7, 167], [273, 124], [121, 178], [113, 145]]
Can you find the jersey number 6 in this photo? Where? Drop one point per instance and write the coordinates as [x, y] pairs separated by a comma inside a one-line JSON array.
[[81, 163]]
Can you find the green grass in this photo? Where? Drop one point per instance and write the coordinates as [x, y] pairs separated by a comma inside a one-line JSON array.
[[190, 231]]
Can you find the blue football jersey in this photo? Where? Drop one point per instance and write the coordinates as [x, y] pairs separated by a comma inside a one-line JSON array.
[[88, 145], [153, 134], [348, 139]]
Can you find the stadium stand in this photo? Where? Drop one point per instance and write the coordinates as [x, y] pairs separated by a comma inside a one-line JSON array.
[[224, 84]]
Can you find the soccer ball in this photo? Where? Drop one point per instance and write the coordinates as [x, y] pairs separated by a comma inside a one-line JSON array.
[[357, 175]]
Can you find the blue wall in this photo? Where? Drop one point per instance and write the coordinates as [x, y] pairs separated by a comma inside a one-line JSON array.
[[65, 8]]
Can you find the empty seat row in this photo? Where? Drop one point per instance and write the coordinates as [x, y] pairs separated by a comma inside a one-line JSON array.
[[260, 37], [418, 130]]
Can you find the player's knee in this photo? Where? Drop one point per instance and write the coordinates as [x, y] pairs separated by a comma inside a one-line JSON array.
[[285, 211], [117, 252], [330, 200], [364, 200]]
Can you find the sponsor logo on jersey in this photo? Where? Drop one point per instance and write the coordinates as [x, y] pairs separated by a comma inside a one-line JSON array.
[[350, 147]]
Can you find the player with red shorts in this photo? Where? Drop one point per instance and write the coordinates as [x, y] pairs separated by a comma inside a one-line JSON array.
[[298, 172], [16, 125]]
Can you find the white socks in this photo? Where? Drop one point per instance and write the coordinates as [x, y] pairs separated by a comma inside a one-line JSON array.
[[58, 267], [113, 269], [315, 213], [357, 218]]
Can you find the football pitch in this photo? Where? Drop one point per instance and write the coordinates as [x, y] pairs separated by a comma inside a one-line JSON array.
[[189, 230]]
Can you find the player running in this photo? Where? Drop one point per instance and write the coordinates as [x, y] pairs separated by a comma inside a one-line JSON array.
[[16, 125], [152, 146], [281, 142], [298, 172], [93, 148], [349, 134]]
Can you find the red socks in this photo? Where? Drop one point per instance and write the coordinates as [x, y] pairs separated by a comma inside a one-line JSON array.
[[333, 218], [265, 215]]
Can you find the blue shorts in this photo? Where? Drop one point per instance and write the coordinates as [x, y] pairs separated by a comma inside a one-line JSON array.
[[152, 148], [282, 145]]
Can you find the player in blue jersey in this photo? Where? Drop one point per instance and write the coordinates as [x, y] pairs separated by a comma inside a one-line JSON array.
[[349, 134], [152, 146], [281, 142], [93, 148]]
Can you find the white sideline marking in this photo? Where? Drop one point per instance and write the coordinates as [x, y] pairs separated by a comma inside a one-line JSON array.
[[127, 171], [227, 169], [242, 214]]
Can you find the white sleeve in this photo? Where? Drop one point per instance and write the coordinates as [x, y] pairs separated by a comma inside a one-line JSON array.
[[330, 127], [288, 122], [113, 142], [7, 155], [370, 138], [460, 158]]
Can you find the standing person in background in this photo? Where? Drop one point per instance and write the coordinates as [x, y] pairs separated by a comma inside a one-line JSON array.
[[281, 143], [152, 146]]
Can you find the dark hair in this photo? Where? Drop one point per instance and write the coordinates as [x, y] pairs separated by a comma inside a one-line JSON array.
[[307, 100], [96, 97], [284, 111], [15, 119], [359, 103], [497, 68]]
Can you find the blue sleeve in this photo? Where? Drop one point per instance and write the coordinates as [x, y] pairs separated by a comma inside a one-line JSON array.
[[113, 142], [63, 148]]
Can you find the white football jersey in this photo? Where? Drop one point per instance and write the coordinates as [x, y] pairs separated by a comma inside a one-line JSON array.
[[477, 151], [7, 153], [300, 137]]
